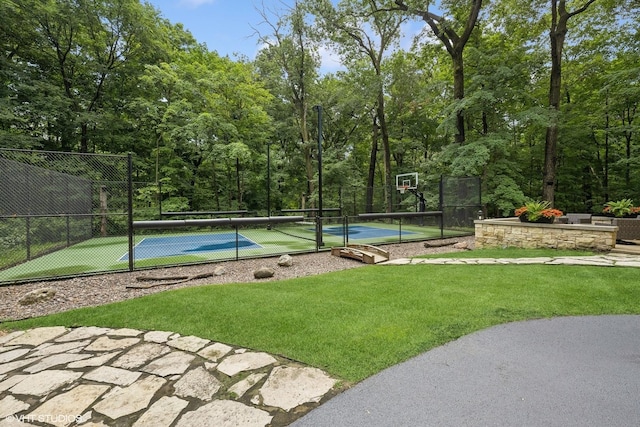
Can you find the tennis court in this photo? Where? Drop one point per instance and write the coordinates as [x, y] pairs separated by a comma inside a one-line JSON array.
[[168, 246], [357, 232], [156, 247], [153, 250]]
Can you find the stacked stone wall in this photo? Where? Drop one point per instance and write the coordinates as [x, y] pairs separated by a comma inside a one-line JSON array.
[[510, 232]]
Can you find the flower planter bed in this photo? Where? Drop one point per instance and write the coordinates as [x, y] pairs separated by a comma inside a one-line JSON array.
[[510, 232]]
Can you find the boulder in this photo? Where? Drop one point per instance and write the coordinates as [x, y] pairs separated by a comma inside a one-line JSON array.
[[264, 273], [285, 261], [461, 245], [219, 271], [36, 296]]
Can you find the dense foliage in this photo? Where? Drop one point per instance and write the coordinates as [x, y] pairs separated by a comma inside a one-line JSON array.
[[113, 76]]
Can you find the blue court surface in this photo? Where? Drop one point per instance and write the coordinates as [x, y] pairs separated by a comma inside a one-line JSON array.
[[156, 247], [364, 232]]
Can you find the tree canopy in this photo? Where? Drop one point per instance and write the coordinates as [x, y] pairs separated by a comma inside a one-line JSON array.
[[539, 99]]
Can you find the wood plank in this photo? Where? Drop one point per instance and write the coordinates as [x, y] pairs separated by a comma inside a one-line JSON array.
[[364, 253]]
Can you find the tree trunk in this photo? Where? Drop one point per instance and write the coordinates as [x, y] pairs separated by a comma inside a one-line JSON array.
[[84, 138], [557, 33], [627, 120], [386, 151], [556, 37], [605, 178], [458, 91], [372, 166]]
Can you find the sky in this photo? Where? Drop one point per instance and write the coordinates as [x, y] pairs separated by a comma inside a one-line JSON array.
[[228, 26]]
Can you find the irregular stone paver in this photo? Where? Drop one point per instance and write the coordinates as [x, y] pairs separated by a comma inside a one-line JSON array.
[[48, 349], [4, 349], [55, 360], [67, 408], [288, 386], [107, 374], [73, 380], [37, 336], [11, 336], [225, 413], [197, 383], [11, 381], [173, 363], [109, 344], [93, 361], [14, 422], [158, 336], [596, 260], [140, 355], [124, 332], [82, 333], [125, 401], [215, 351], [236, 363], [16, 364], [9, 405], [8, 356], [162, 413], [190, 343], [628, 263], [241, 387], [45, 382]]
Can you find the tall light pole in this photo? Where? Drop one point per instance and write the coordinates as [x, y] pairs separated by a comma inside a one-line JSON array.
[[318, 108]]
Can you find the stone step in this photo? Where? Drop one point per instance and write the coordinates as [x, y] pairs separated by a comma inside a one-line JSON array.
[[626, 249]]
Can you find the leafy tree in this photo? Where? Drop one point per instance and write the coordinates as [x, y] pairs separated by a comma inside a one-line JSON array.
[[454, 34], [359, 32], [289, 63]]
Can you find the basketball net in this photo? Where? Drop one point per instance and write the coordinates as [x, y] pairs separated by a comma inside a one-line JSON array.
[[403, 189]]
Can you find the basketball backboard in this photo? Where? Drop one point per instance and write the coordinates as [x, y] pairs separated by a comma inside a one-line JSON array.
[[407, 181]]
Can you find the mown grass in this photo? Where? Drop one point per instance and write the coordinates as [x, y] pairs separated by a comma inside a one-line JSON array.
[[357, 322]]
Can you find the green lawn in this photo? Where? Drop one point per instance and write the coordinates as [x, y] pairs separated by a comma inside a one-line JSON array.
[[354, 323]]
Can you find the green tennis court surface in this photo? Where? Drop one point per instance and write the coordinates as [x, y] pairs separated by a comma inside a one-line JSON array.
[[162, 249]]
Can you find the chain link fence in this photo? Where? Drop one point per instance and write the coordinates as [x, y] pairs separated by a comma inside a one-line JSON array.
[[51, 201], [461, 201], [69, 214]]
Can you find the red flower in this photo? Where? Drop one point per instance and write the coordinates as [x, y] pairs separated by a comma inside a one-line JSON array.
[[548, 213], [521, 210]]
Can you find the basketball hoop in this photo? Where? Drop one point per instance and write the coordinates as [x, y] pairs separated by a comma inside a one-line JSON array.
[[407, 181]]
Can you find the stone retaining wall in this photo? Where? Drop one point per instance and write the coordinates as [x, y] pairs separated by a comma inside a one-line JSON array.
[[510, 232]]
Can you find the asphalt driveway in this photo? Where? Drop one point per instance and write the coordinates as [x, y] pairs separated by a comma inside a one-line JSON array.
[[568, 371]]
